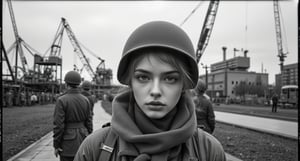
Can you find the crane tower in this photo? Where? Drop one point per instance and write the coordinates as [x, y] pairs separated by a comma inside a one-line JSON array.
[[207, 28], [281, 54]]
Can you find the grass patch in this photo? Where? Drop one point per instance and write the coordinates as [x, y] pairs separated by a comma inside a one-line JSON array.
[[250, 145], [24, 125]]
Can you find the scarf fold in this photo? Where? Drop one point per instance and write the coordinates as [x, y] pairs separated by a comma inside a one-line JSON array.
[[143, 138]]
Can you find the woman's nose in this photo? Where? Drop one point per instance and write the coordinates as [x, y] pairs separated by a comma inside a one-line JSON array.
[[155, 89]]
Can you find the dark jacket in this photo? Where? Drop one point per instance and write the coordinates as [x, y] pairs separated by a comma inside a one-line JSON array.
[[274, 98], [72, 122], [91, 99], [205, 113], [202, 146]]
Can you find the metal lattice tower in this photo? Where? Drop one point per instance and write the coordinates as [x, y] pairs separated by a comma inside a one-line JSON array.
[[281, 54], [207, 28]]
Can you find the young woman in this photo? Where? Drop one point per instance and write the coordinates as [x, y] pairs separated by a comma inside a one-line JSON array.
[[155, 120]]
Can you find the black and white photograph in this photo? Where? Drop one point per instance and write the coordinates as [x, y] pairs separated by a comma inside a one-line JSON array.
[[149, 80]]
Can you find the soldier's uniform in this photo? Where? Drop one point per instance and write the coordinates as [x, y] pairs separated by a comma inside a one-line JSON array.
[[91, 99], [72, 122], [205, 114]]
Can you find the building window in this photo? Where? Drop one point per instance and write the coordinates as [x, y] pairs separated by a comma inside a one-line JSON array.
[[236, 82], [232, 92], [232, 82]]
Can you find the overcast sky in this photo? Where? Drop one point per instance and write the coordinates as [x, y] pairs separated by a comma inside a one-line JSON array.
[[103, 27]]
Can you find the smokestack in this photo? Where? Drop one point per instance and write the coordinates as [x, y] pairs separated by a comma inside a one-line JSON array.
[[224, 53], [245, 53]]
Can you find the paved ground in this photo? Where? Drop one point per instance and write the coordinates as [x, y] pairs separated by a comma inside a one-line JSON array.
[[287, 129], [290, 114], [42, 150]]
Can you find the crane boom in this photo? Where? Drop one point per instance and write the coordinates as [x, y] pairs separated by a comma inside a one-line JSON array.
[[281, 54], [207, 28], [77, 48], [18, 39]]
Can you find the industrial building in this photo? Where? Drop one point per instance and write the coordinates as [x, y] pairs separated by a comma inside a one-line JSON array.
[[289, 75], [225, 75]]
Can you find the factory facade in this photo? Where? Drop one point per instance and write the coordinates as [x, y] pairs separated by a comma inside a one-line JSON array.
[[224, 76]]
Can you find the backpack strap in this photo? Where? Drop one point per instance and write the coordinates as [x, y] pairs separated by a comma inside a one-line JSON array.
[[108, 146]]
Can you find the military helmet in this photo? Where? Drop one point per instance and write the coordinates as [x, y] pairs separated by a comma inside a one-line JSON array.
[[201, 86], [159, 34], [86, 85], [73, 77]]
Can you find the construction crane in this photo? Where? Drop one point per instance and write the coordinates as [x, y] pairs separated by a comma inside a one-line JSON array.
[[19, 49], [207, 28], [4, 58], [19, 44], [77, 48], [56, 49], [281, 54]]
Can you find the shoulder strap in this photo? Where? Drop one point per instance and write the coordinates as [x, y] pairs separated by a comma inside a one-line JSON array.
[[108, 146], [196, 143]]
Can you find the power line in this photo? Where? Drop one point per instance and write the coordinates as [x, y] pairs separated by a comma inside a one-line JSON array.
[[193, 11]]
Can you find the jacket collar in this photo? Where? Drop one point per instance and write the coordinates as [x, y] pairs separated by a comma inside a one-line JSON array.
[[73, 91]]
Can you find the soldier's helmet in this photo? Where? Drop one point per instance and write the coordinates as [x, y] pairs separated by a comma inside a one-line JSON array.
[[163, 35], [201, 86], [86, 85], [73, 78]]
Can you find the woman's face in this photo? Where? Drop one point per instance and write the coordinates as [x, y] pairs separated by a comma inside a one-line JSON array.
[[157, 86]]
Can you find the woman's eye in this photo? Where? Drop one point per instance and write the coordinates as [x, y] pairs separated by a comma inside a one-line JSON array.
[[142, 78], [171, 79]]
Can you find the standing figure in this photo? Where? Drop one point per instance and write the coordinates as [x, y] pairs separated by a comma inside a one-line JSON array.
[[155, 119], [204, 110], [86, 86], [274, 101], [72, 119], [33, 98], [22, 98], [10, 98]]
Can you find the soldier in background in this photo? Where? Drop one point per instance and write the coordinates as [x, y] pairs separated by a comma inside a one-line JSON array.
[[86, 87], [204, 110], [72, 119]]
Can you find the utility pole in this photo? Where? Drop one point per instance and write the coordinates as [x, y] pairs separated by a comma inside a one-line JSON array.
[[206, 74], [226, 79]]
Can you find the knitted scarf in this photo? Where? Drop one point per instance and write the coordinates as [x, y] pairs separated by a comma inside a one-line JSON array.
[[145, 139]]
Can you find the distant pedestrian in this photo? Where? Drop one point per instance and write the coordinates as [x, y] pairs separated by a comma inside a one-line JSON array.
[[72, 119], [33, 99], [22, 98], [275, 102], [86, 87], [10, 96], [204, 110]]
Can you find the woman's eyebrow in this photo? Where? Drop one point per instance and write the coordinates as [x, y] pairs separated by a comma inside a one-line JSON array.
[[142, 71], [172, 72], [148, 72]]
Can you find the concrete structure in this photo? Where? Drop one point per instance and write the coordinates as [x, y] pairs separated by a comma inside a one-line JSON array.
[[289, 75], [225, 75]]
